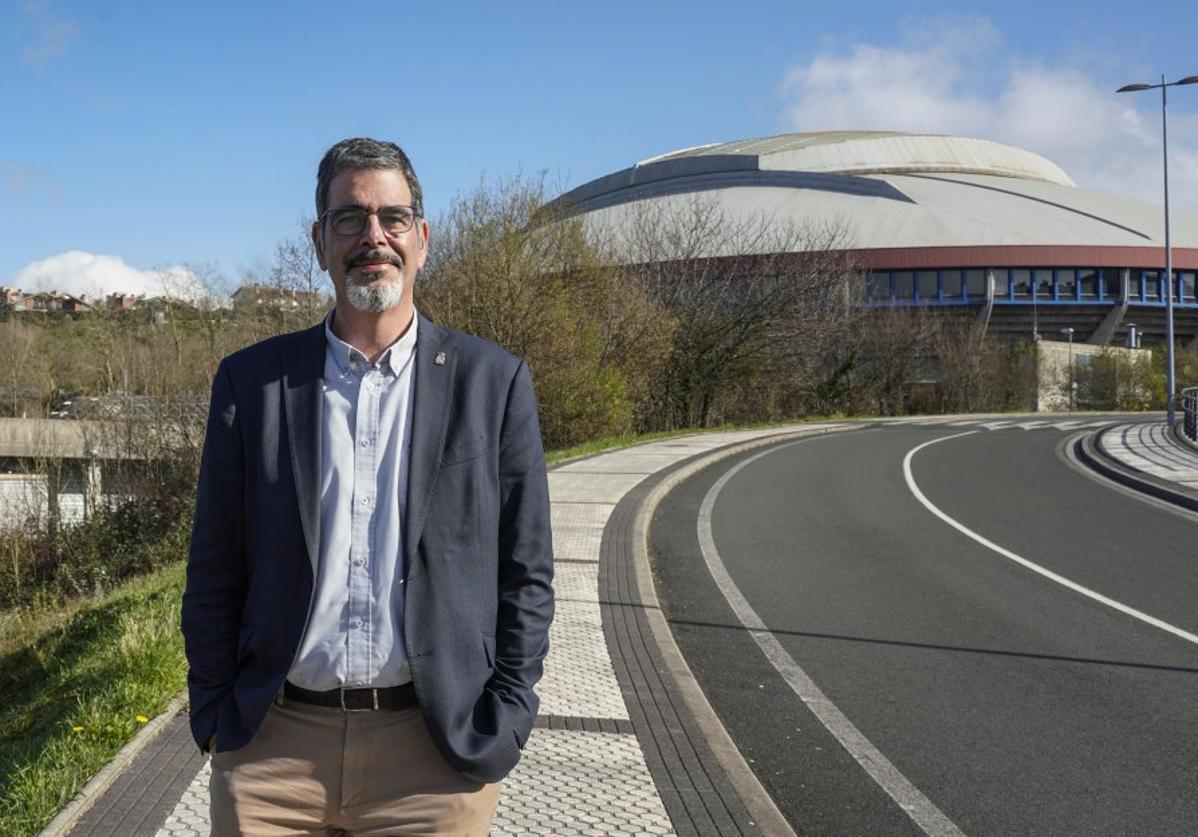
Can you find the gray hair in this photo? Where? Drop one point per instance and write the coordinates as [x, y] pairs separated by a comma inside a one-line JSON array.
[[361, 153]]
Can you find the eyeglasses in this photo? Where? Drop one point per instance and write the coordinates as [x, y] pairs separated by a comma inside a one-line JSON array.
[[351, 220]]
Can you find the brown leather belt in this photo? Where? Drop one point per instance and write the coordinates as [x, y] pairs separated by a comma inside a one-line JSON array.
[[355, 700]]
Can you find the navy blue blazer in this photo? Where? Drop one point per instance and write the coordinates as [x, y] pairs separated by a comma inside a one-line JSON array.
[[479, 569]]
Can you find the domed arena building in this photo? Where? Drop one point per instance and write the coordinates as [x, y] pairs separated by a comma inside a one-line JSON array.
[[963, 226]]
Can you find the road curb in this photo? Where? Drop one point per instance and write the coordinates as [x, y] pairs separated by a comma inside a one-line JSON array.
[[69, 816], [1179, 434], [742, 778], [1091, 453]]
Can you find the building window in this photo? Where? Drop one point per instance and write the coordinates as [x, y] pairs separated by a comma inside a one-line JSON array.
[[951, 281], [878, 286], [928, 284], [1002, 283], [1087, 281], [1067, 284], [1187, 287], [1112, 283], [1043, 281], [904, 284], [1021, 283], [1152, 286], [975, 283]]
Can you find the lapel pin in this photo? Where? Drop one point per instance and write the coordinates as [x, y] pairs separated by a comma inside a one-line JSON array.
[[439, 359]]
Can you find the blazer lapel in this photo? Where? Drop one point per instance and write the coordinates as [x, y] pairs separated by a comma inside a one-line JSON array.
[[431, 390], [303, 374]]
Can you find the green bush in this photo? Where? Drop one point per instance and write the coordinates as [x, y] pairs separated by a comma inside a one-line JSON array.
[[134, 537]]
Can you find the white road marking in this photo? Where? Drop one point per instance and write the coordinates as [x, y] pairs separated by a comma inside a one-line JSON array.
[[1034, 567], [1036, 424], [930, 819]]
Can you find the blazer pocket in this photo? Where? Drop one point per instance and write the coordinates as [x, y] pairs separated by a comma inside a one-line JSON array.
[[489, 649], [244, 634], [463, 450]]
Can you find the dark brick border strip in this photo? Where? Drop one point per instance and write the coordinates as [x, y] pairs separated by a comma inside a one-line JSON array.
[[704, 782], [144, 794], [698, 797], [615, 726]]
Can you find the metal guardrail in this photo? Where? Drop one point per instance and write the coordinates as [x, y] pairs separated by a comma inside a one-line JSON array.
[[1189, 403]]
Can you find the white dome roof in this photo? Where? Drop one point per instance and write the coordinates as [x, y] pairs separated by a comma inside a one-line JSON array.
[[882, 152], [893, 192]]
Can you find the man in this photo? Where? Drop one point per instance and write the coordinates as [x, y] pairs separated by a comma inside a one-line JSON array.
[[368, 588]]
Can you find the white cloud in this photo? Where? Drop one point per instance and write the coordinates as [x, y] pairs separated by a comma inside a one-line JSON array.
[[48, 33], [95, 276], [22, 182], [963, 80]]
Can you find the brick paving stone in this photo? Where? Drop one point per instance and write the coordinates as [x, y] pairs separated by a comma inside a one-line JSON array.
[[592, 783], [578, 530], [190, 816], [590, 488], [579, 679], [640, 460], [576, 583]]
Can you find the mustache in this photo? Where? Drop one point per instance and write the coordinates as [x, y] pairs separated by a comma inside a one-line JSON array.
[[373, 257]]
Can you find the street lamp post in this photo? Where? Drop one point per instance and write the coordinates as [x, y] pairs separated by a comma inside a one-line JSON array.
[[1170, 375], [1068, 332]]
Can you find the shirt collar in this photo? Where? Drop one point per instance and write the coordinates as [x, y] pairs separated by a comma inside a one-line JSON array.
[[395, 357]]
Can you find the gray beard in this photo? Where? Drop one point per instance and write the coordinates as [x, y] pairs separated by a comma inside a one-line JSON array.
[[374, 298]]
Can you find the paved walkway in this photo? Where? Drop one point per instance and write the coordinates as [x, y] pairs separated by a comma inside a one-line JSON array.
[[1154, 450], [585, 770], [616, 750]]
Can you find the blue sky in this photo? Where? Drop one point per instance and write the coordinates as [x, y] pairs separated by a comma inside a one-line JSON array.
[[166, 134]]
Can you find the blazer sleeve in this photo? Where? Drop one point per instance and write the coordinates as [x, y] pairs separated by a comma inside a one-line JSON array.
[[216, 570], [525, 558]]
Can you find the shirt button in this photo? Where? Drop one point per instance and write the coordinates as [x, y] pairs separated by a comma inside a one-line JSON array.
[[358, 562], [365, 443], [365, 501]]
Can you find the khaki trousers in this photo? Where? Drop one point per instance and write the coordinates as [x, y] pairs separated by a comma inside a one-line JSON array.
[[320, 771]]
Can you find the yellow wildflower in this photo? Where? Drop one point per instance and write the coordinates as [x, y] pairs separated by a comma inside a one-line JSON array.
[[76, 728], [142, 719]]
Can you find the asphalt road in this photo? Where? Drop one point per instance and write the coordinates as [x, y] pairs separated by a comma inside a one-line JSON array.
[[1013, 704]]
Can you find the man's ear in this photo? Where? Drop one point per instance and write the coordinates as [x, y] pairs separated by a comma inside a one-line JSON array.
[[317, 246], [423, 232]]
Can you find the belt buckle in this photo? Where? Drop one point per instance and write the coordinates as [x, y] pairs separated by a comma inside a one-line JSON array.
[[374, 694]]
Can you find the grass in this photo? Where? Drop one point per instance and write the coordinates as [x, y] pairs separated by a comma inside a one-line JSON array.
[[76, 685]]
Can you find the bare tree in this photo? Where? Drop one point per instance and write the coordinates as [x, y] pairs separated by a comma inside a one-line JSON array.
[[25, 389], [964, 358], [297, 276], [754, 299], [894, 349]]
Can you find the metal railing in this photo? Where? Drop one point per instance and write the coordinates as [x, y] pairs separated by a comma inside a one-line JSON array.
[[1189, 403]]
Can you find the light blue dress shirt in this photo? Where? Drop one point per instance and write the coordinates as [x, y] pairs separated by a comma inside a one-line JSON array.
[[355, 634]]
